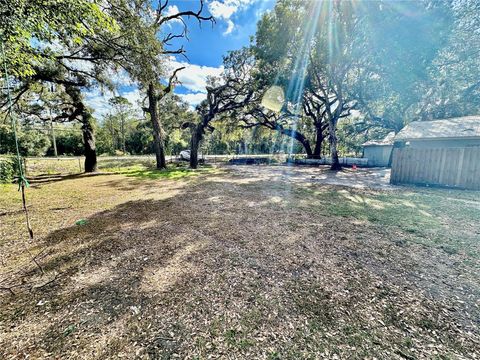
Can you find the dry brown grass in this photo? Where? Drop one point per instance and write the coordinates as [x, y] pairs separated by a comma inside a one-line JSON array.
[[228, 265]]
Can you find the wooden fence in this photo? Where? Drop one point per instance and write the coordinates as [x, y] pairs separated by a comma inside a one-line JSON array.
[[452, 167]]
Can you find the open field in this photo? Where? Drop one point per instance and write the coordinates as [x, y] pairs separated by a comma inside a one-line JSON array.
[[267, 262], [74, 164]]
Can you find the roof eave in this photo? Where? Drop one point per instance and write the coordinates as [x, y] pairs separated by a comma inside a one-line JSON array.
[[439, 138]]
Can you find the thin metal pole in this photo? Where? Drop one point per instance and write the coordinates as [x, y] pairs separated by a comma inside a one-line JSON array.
[[53, 134]]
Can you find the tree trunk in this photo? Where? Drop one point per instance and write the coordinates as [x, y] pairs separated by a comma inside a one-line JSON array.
[[122, 129], [300, 138], [197, 135], [333, 145], [89, 143], [317, 152], [87, 127], [157, 128], [308, 149]]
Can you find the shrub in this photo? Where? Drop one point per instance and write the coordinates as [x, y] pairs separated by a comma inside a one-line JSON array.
[[69, 142], [31, 142], [8, 169]]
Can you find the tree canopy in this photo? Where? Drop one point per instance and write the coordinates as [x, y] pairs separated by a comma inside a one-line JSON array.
[[312, 68]]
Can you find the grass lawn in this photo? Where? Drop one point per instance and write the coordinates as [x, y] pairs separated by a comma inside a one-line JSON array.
[[217, 263]]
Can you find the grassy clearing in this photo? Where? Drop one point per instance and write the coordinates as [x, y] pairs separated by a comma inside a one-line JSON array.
[[40, 166], [441, 218], [77, 196], [213, 263], [174, 172], [75, 165]]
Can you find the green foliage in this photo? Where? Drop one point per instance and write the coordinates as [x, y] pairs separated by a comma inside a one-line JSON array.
[[8, 168], [113, 132], [122, 122], [453, 87], [402, 50], [140, 139], [350, 138], [173, 172], [141, 40], [277, 40], [109, 136], [69, 142], [175, 112], [32, 142], [231, 139], [394, 63], [32, 28]]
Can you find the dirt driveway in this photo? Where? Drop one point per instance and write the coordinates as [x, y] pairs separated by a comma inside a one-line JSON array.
[[361, 178]]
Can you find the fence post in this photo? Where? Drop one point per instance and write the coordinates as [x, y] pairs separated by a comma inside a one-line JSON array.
[[80, 164]]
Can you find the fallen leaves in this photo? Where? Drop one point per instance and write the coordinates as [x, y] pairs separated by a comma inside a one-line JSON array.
[[235, 266]]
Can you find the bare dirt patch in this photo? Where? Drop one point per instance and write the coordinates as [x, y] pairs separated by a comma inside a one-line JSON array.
[[244, 263], [360, 178]]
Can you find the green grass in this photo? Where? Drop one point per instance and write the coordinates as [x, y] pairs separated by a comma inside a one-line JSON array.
[[42, 166], [238, 339], [446, 219], [437, 217], [172, 172], [9, 194], [143, 168], [75, 165]]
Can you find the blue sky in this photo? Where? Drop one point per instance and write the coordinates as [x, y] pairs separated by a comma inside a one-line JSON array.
[[235, 23]]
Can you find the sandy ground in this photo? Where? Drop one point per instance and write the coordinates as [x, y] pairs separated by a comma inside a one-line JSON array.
[[243, 263], [361, 178]]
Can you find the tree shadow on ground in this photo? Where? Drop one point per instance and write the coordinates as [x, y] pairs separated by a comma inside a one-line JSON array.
[[172, 173], [103, 264], [225, 268]]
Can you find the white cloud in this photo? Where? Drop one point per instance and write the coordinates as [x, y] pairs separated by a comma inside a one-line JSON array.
[[98, 101], [134, 96], [172, 10], [193, 99], [225, 10], [230, 27], [81, 65], [119, 78], [194, 77], [97, 98]]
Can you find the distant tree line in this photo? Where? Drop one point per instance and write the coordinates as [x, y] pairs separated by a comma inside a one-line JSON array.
[[319, 77]]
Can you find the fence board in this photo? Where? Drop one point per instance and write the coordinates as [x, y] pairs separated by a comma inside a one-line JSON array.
[[455, 167]]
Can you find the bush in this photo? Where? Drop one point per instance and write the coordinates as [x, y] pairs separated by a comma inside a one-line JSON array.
[[69, 142], [31, 142], [8, 169]]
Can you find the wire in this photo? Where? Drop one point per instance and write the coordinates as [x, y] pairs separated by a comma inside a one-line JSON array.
[[22, 181]]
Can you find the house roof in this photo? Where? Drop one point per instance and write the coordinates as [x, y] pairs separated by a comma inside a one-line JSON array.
[[387, 140], [455, 128]]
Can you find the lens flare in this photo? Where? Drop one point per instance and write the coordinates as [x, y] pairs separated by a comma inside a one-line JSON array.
[[274, 99]]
